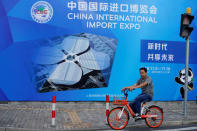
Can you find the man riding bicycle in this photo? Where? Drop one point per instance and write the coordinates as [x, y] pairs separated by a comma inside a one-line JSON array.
[[145, 83]]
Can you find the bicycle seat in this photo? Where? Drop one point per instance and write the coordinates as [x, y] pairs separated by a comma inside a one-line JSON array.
[[144, 102]]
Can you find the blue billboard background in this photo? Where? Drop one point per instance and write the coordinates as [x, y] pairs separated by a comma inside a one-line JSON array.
[[147, 22]]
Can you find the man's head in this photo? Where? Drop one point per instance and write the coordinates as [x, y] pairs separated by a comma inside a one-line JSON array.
[[143, 72]]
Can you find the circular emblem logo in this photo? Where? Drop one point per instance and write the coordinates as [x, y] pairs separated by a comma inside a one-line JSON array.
[[41, 12]]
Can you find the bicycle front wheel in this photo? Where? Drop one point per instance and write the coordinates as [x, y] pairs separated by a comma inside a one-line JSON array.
[[114, 121], [154, 122]]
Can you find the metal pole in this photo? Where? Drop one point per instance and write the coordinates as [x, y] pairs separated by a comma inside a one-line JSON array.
[[186, 76]]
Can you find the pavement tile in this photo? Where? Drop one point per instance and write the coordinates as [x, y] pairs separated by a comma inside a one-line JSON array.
[[79, 115]]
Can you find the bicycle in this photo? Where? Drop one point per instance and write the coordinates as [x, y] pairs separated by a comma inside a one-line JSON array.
[[118, 117]]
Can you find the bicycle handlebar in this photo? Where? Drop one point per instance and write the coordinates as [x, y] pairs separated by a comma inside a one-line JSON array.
[[126, 92]]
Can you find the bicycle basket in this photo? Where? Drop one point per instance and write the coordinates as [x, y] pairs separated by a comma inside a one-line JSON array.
[[119, 101]]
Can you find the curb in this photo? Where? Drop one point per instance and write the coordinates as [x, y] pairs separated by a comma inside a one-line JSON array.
[[169, 123], [190, 122]]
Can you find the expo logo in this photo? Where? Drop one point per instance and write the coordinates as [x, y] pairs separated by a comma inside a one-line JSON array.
[[41, 12]]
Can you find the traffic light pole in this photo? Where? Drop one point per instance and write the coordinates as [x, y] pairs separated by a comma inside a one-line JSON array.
[[186, 76], [185, 31]]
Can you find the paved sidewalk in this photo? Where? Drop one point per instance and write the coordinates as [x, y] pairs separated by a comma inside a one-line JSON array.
[[24, 116]]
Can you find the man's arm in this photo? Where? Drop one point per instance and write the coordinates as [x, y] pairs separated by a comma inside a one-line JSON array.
[[129, 87], [135, 86], [141, 85], [148, 81]]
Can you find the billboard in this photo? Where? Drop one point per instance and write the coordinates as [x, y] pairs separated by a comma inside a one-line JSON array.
[[81, 50]]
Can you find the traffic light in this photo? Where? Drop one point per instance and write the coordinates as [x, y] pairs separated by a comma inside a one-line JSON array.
[[186, 20]]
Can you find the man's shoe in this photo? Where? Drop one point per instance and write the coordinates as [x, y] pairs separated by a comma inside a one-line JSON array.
[[137, 117]]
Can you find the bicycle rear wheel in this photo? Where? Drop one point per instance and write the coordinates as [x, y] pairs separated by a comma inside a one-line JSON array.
[[154, 122], [114, 121]]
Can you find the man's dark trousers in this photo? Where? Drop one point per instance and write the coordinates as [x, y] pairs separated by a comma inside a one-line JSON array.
[[136, 103]]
